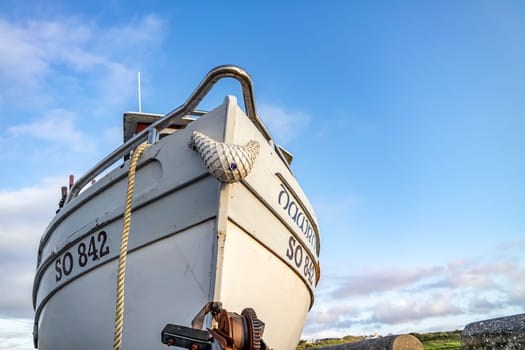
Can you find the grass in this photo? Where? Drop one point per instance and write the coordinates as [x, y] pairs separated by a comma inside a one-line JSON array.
[[325, 342], [431, 341], [440, 340]]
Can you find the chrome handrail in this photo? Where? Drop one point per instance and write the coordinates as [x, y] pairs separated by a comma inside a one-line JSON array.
[[151, 134]]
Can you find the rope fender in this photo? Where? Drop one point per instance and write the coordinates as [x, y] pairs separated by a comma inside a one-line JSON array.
[[227, 162]]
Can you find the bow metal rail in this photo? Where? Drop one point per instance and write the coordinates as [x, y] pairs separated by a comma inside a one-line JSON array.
[[151, 134]]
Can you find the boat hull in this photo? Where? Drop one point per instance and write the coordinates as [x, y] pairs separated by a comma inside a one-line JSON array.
[[252, 243]]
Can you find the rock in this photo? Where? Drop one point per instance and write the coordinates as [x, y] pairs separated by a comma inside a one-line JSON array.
[[504, 333], [392, 342]]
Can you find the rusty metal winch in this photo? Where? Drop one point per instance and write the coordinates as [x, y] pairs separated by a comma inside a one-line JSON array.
[[231, 332]]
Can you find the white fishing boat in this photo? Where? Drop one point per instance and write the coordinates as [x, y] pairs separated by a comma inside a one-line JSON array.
[[217, 222]]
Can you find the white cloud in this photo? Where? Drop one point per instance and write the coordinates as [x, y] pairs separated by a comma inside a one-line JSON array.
[[38, 54], [416, 299], [284, 125], [415, 308], [16, 206], [335, 313], [24, 214], [517, 244], [32, 54], [139, 32], [21, 61], [113, 136], [378, 281], [57, 126], [58, 73], [16, 334]]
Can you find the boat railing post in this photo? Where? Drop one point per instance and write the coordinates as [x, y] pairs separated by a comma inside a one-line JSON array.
[[153, 135]]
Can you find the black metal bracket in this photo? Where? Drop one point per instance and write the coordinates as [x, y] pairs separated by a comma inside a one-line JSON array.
[[186, 337]]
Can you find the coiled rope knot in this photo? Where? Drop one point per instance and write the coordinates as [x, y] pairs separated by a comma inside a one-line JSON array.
[[227, 162]]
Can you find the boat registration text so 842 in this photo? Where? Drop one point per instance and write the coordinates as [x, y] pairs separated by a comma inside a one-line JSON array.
[[297, 254]]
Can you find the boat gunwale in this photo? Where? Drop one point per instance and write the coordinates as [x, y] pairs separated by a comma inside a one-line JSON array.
[[253, 191], [80, 201], [44, 265]]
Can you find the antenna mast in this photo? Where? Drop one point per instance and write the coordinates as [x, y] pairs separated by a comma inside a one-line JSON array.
[[140, 99]]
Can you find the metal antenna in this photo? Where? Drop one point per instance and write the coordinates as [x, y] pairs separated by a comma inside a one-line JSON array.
[[140, 98]]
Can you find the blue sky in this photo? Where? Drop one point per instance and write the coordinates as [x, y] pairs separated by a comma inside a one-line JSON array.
[[406, 119]]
